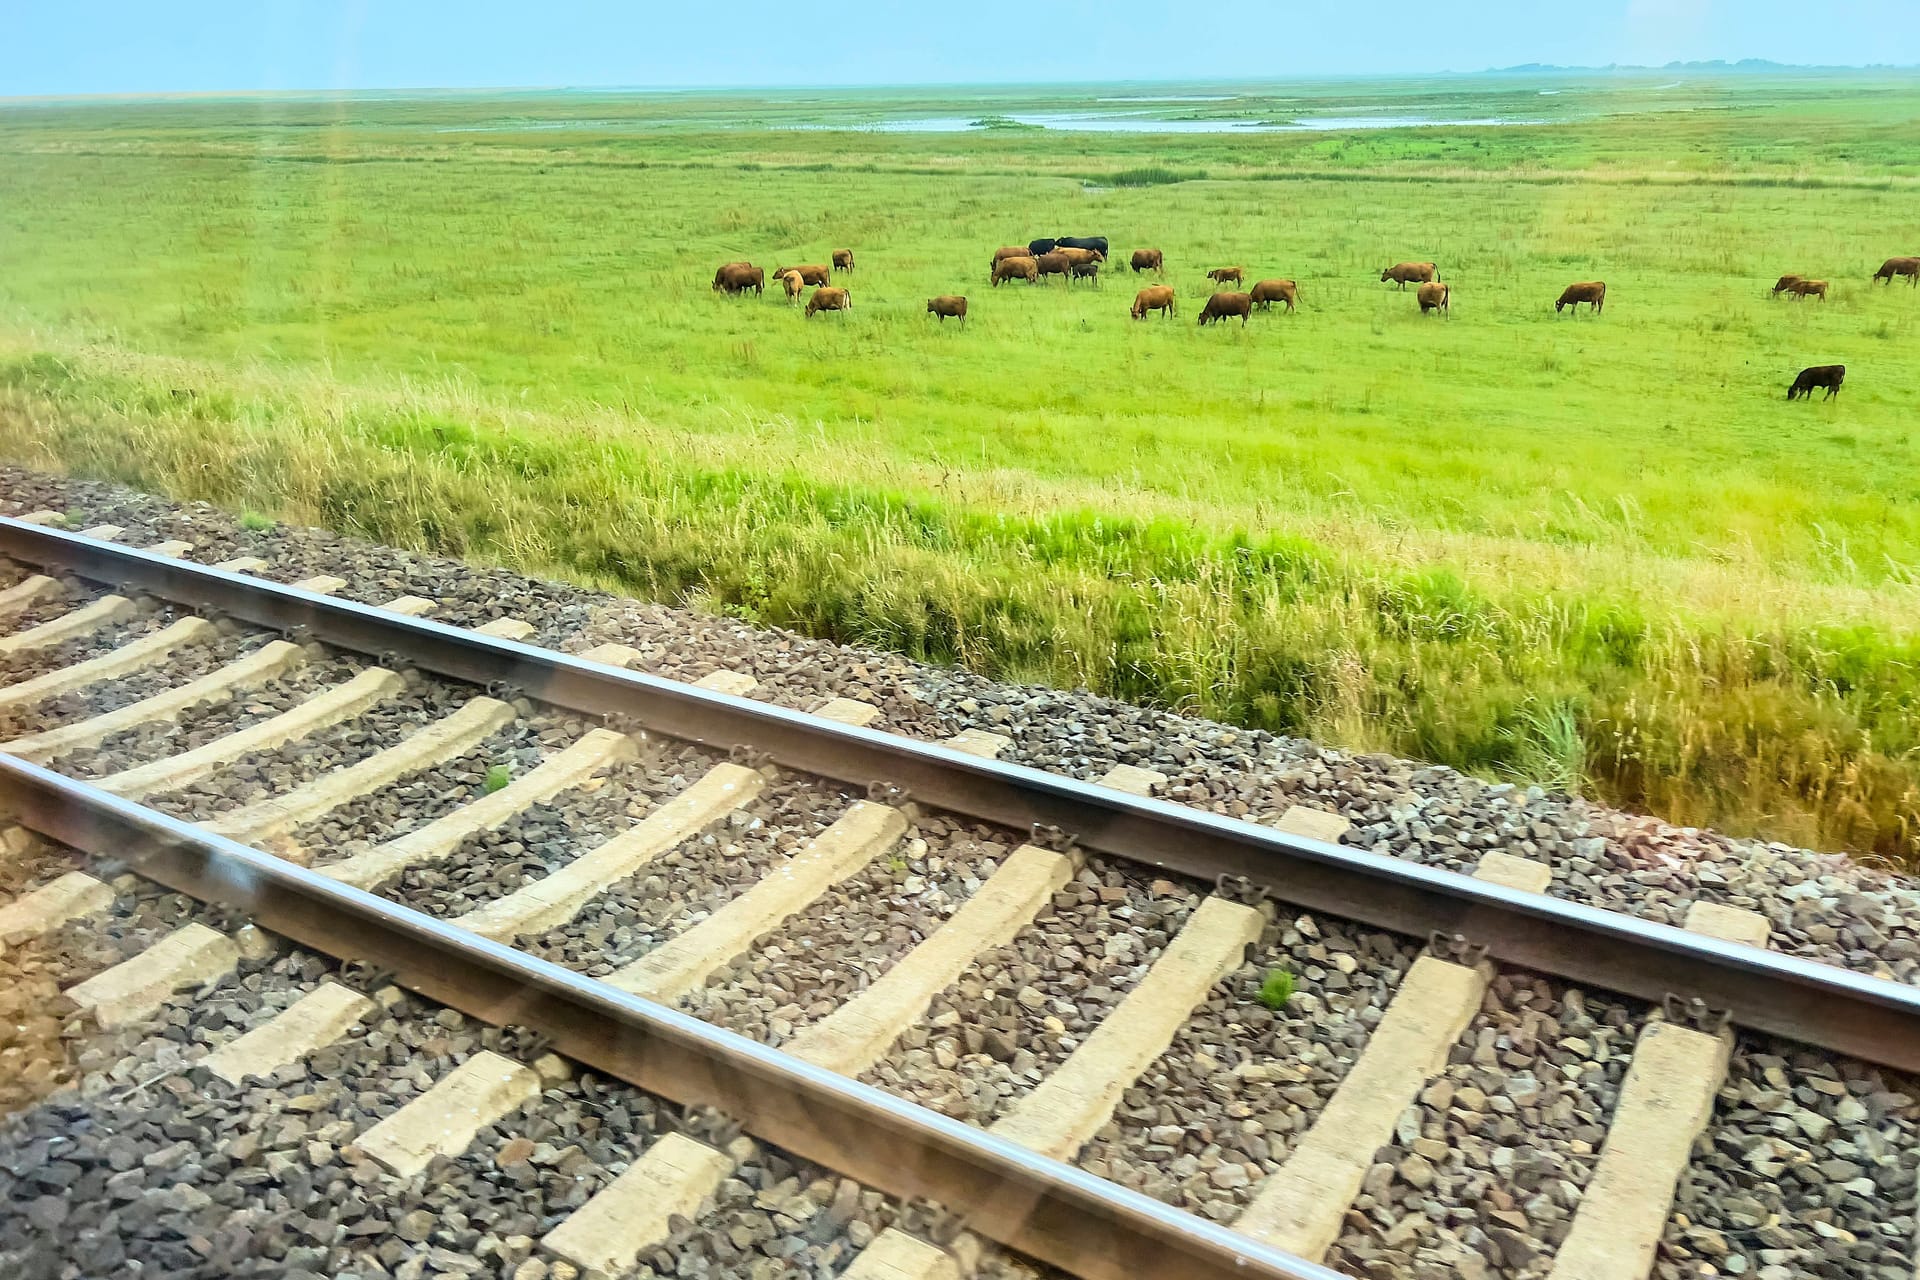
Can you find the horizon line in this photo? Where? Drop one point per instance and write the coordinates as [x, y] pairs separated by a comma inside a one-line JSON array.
[[1759, 66]]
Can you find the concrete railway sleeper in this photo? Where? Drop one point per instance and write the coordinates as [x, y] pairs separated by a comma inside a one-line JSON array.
[[1286, 1190]]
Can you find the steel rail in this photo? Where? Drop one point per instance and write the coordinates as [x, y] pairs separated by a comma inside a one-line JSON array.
[[1818, 1004], [1041, 1207]]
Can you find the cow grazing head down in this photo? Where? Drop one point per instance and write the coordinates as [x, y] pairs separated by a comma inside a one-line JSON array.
[[1223, 305], [1829, 376]]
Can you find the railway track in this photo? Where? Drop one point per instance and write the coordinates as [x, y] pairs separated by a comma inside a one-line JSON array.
[[948, 979]]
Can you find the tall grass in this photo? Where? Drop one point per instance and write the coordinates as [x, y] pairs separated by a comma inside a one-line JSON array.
[[1803, 733]]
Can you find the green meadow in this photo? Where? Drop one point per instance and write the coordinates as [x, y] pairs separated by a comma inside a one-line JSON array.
[[1601, 552]]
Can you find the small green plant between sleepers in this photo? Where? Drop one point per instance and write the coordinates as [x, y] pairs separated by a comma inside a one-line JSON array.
[[1276, 990]]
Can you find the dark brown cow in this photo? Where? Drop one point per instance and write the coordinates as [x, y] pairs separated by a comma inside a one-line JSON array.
[[791, 281], [1006, 251], [738, 277], [1591, 292], [1147, 260], [1027, 269], [1220, 275], [948, 304], [1086, 271], [1829, 376], [1222, 305], [1268, 292], [828, 298], [1785, 283], [1155, 297], [812, 273], [1053, 264], [843, 259], [1802, 288], [1434, 296], [1908, 267], [1406, 273]]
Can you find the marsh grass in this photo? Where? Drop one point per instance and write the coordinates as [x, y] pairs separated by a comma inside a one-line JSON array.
[[1601, 554]]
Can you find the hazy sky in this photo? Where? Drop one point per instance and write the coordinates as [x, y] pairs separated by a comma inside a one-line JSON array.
[[144, 46]]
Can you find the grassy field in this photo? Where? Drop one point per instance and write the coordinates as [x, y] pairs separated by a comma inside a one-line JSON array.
[[1604, 553]]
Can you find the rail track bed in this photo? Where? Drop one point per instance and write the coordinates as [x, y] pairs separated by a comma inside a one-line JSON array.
[[361, 945]]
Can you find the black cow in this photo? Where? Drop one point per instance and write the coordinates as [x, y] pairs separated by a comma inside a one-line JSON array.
[[1040, 248], [1097, 243], [1829, 376]]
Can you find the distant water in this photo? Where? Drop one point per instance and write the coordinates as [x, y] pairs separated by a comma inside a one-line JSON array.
[[1138, 122]]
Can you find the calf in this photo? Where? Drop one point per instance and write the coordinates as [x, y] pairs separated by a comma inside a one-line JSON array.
[[1405, 273], [1220, 275], [738, 277], [814, 273], [1268, 292], [1155, 297], [1085, 271], [828, 298], [1803, 288], [1053, 264], [1023, 268], [1829, 376], [1591, 292], [1222, 305]]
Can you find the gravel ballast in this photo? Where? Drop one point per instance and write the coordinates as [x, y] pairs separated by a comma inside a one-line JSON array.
[[1222, 1107], [1807, 1170], [1486, 1168], [859, 929], [1021, 1009]]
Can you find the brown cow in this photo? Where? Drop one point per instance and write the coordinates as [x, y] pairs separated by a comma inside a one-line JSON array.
[[1053, 264], [1015, 269], [812, 273], [1080, 257], [1268, 292], [738, 277], [1155, 297], [1801, 288], [828, 298], [1411, 273], [1222, 305], [1434, 297], [1220, 275], [948, 304], [792, 282], [1785, 283], [843, 259], [1908, 267], [1006, 251], [1085, 271], [1147, 260], [1591, 292], [1829, 376]]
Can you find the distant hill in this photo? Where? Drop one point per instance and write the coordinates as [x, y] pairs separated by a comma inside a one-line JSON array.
[[1745, 66]]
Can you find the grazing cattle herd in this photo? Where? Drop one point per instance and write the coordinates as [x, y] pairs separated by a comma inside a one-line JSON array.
[[1081, 257]]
